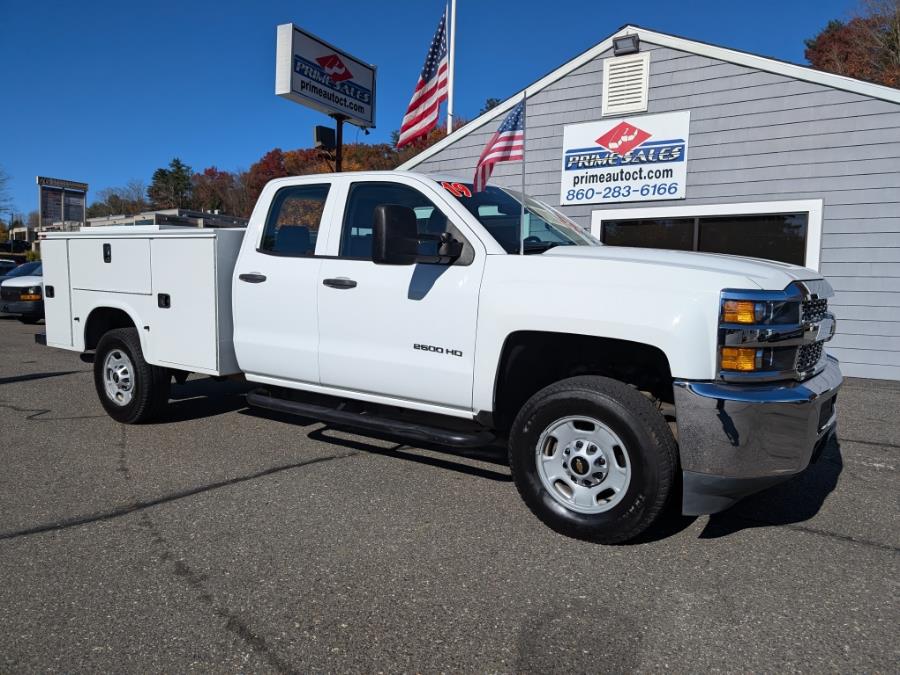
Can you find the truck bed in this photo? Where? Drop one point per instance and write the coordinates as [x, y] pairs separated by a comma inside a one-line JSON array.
[[173, 282]]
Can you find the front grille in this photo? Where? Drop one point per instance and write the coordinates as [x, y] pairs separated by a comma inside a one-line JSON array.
[[9, 293], [808, 356], [814, 310]]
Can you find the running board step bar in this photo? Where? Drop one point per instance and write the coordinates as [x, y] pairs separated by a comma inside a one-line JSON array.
[[261, 398]]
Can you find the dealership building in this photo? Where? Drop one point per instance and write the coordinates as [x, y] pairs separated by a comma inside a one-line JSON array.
[[654, 140]]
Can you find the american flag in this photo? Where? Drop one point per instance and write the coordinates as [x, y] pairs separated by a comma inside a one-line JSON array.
[[506, 145], [422, 113]]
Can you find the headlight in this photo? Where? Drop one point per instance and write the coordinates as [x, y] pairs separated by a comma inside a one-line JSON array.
[[744, 311], [30, 293]]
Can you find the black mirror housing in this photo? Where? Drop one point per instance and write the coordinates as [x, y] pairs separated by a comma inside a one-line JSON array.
[[395, 239], [394, 235]]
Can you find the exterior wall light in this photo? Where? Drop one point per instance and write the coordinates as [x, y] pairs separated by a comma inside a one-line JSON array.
[[626, 44]]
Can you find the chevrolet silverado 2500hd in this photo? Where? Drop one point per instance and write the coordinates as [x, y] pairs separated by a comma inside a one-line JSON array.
[[399, 303]]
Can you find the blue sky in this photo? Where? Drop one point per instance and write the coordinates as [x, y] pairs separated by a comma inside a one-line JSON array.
[[105, 92]]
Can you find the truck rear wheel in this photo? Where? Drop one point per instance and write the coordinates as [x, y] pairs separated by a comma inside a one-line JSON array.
[[593, 459], [130, 389]]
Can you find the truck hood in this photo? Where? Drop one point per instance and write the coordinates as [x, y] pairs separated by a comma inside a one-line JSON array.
[[23, 282], [767, 274]]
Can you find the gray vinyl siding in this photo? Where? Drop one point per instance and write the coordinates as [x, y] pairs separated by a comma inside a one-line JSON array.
[[755, 137]]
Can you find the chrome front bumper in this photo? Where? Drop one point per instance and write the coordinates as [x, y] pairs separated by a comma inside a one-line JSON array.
[[736, 439]]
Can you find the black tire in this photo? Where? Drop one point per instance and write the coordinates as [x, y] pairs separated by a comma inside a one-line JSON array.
[[652, 452], [30, 320], [151, 384]]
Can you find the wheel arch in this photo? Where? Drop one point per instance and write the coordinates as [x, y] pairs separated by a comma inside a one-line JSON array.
[[104, 318], [530, 360]]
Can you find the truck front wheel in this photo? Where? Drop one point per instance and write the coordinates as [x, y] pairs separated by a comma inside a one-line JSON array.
[[130, 389], [593, 459]]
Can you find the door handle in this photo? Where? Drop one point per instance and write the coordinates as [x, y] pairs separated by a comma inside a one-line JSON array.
[[252, 277], [340, 282]]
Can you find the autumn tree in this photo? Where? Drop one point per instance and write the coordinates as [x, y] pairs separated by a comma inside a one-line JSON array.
[[210, 189], [269, 167], [866, 47], [171, 188]]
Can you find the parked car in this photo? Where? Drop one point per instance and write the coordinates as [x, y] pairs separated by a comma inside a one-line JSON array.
[[22, 293], [415, 306], [20, 270], [7, 266]]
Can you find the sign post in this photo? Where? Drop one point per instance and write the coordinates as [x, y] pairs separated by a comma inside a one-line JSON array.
[[316, 74]]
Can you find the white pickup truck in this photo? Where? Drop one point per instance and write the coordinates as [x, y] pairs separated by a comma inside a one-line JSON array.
[[621, 379]]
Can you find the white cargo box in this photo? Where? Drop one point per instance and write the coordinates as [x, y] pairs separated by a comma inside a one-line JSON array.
[[173, 282]]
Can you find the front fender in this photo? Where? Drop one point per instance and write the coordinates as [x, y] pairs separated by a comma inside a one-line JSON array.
[[520, 293]]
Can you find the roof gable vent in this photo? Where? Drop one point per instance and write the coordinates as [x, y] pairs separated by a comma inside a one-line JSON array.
[[626, 80]]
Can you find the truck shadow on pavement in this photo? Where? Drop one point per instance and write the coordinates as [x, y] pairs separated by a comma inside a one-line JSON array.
[[794, 501], [203, 397], [455, 458], [36, 376]]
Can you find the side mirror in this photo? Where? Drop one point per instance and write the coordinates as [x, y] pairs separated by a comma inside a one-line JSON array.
[[394, 235]]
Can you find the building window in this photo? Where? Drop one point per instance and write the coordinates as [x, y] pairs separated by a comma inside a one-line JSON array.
[[782, 231]]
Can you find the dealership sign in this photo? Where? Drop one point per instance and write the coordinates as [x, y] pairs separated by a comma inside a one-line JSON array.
[[61, 201], [312, 72], [631, 159]]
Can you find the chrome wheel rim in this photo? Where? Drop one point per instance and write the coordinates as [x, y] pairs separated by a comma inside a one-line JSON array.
[[583, 464], [118, 377]]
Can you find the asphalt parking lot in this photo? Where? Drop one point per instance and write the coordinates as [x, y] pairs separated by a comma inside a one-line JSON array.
[[222, 539]]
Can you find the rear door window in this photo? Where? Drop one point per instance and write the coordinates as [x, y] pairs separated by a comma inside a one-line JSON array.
[[292, 226]]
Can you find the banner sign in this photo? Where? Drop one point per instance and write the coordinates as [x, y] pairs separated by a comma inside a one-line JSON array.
[[634, 159], [314, 73]]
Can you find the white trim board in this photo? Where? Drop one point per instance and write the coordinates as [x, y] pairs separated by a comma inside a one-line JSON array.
[[813, 207], [664, 40]]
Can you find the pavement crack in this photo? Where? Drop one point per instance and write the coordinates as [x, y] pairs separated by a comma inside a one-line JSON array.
[[822, 533], [870, 443], [197, 582], [140, 505], [40, 412]]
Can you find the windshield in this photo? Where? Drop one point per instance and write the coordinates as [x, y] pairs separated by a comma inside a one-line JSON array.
[[28, 269], [500, 211]]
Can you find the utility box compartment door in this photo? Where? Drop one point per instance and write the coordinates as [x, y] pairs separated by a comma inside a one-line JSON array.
[[119, 265], [183, 321], [57, 293]]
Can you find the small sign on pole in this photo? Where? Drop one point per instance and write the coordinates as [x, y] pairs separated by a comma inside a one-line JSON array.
[[314, 73]]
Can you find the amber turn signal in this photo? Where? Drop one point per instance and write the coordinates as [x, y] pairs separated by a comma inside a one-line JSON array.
[[29, 296], [740, 359], [743, 311]]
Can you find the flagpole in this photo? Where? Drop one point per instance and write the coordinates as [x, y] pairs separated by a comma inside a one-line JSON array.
[[524, 144], [452, 20]]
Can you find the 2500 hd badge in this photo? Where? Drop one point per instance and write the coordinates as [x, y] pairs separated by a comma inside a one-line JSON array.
[[438, 350]]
